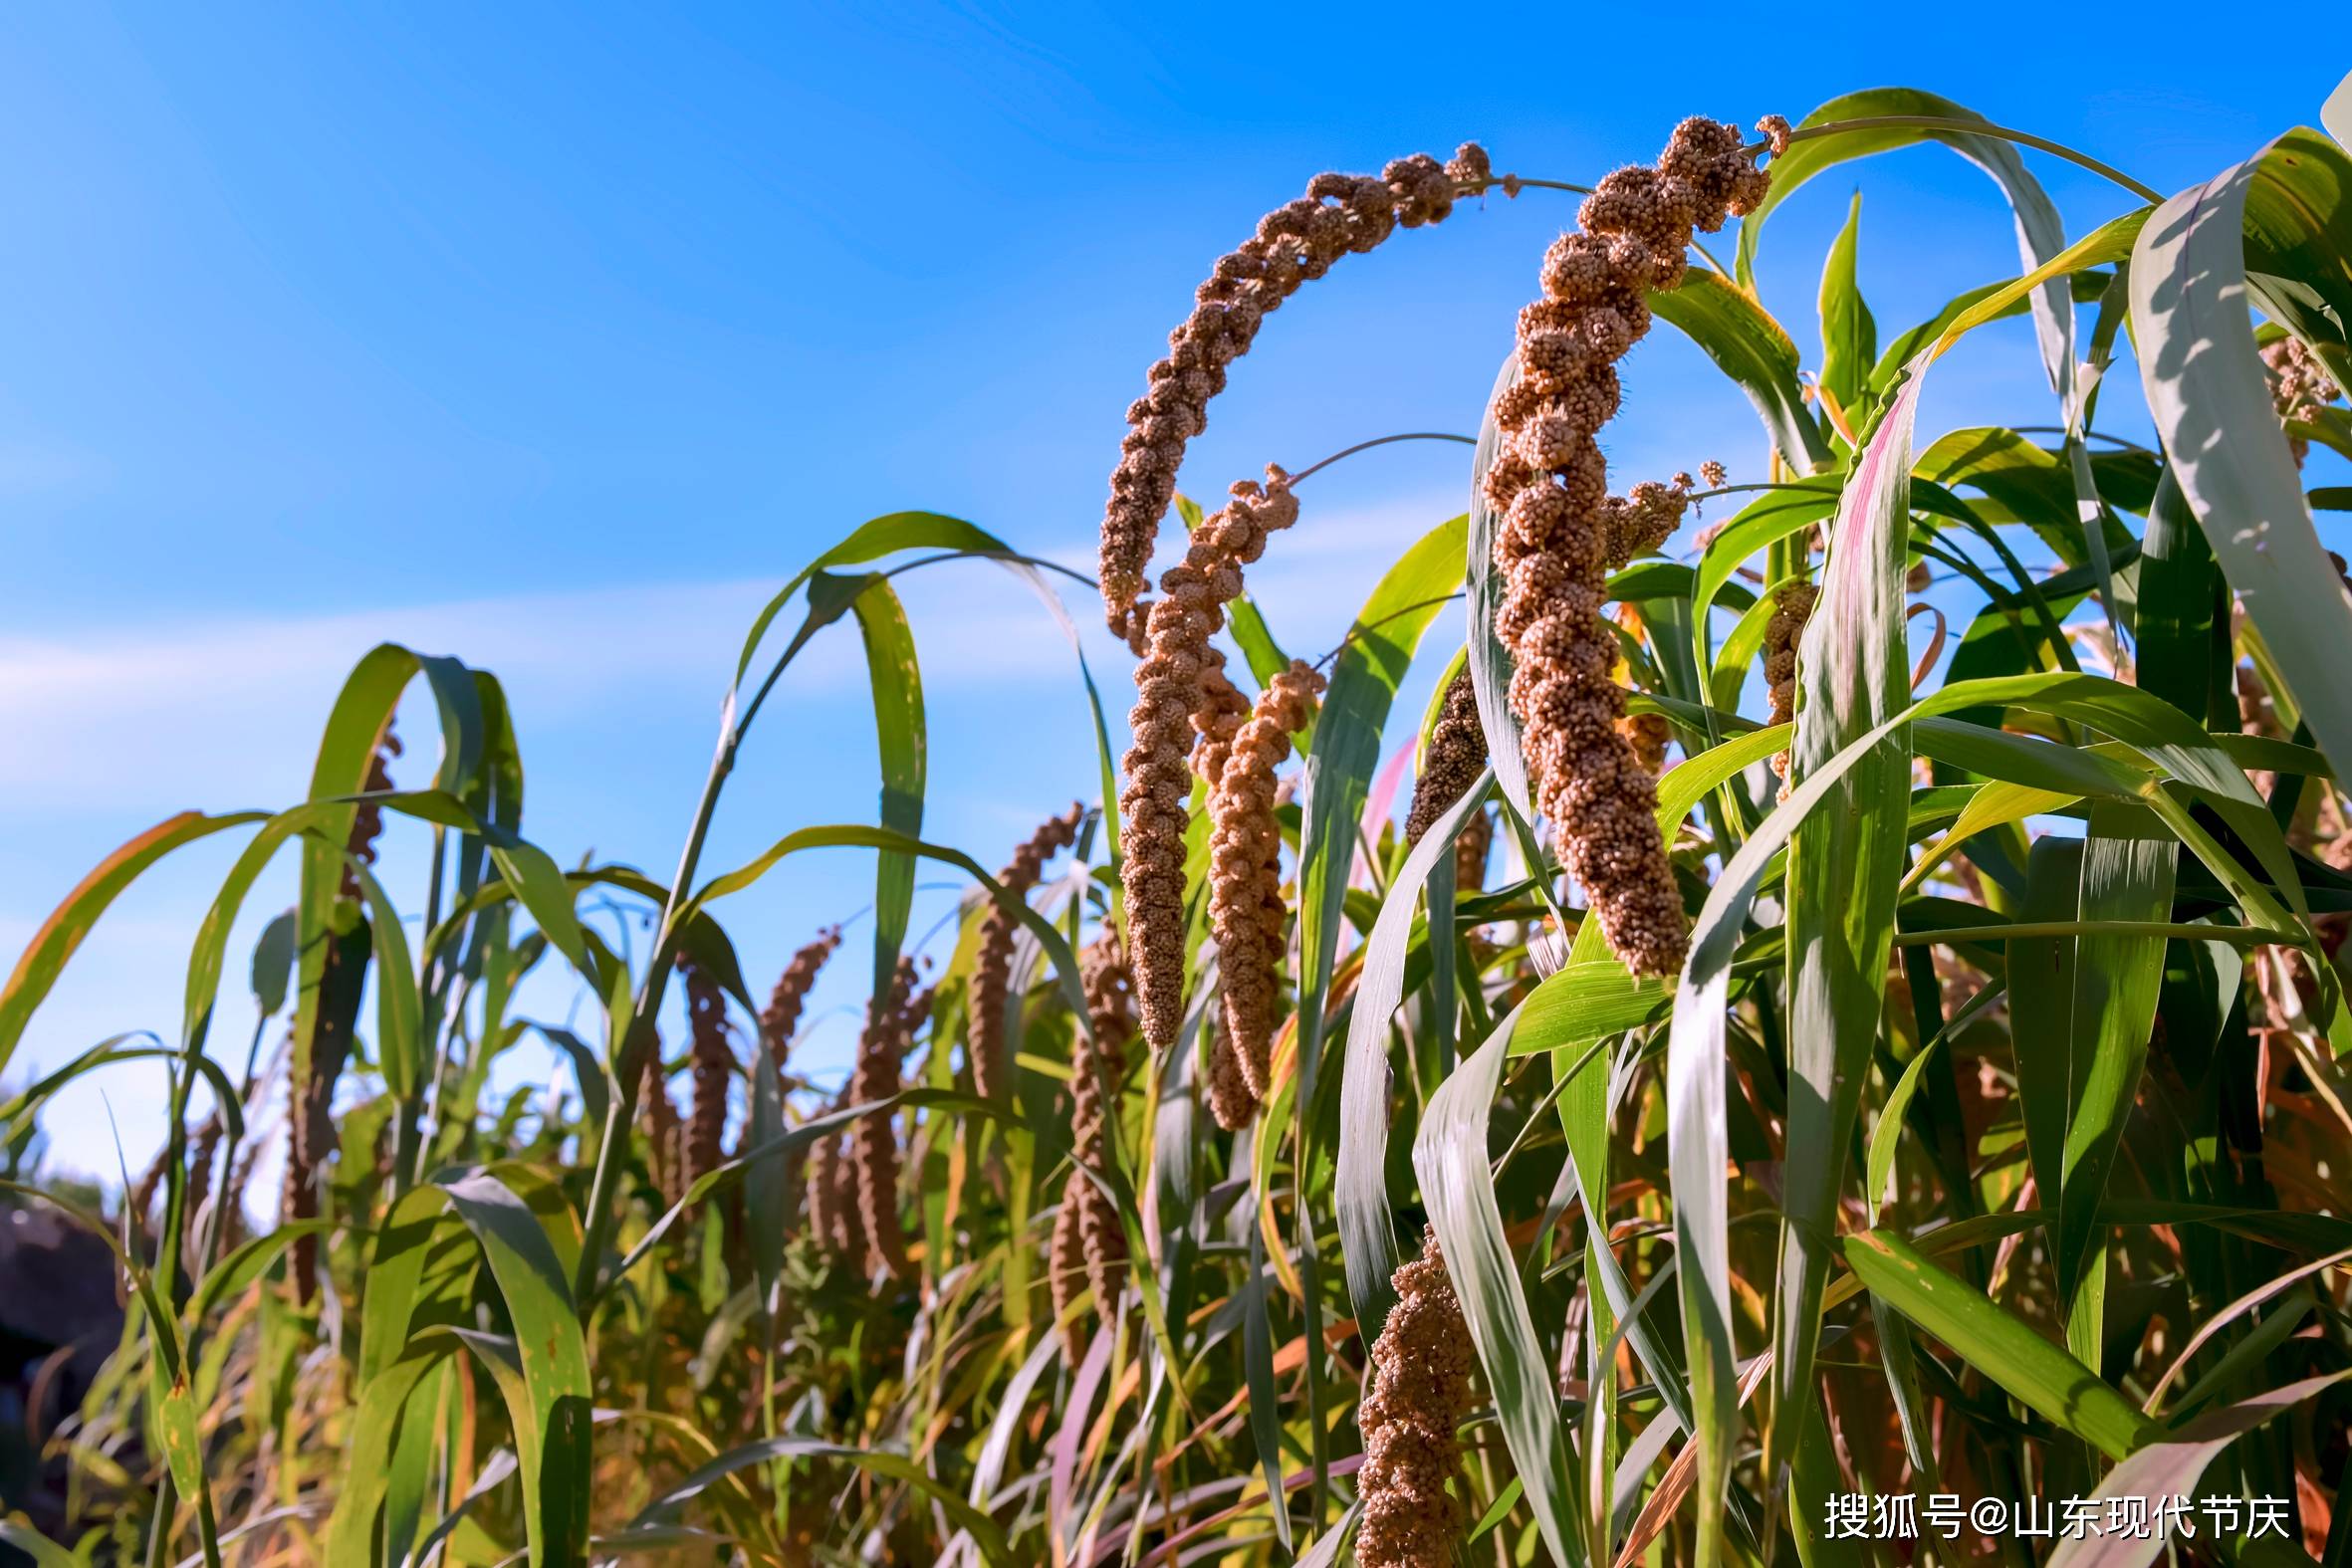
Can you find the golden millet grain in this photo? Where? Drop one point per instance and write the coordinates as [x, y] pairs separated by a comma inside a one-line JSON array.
[[983, 1033], [1457, 755], [1245, 909], [1422, 1366], [873, 1139], [1299, 241], [1561, 530], [1186, 714]]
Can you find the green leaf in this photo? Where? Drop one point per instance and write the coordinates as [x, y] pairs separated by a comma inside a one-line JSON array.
[[1367, 1227], [2212, 405], [1849, 338], [887, 534], [1696, 1114], [1450, 1157], [2179, 655], [888, 1465], [383, 1402], [2041, 233], [1753, 349], [44, 958], [273, 964], [1846, 868], [1879, 1167], [2038, 1373], [1339, 772], [363, 712], [897, 686], [2172, 1468], [854, 836], [45, 1552], [1776, 514], [2127, 875], [549, 1384]]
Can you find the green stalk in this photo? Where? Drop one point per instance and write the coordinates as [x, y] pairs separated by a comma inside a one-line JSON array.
[[612, 1147]]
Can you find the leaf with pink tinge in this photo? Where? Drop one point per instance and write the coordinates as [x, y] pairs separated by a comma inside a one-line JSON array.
[[2171, 1468]]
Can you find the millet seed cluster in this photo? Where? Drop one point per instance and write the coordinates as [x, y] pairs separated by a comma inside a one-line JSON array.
[[1457, 755], [1793, 606], [1184, 719], [1090, 1244], [1421, 1392], [1297, 241], [713, 1062], [1246, 907], [1561, 530], [780, 1020], [984, 1034], [310, 1129]]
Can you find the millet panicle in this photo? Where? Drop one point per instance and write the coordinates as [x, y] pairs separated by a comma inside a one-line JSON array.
[[2299, 387], [1245, 909], [1095, 1245], [984, 1034], [1456, 756], [1297, 241], [781, 1019], [874, 1138], [1792, 607], [1422, 1365], [712, 1060], [310, 1129], [1561, 530], [1185, 716]]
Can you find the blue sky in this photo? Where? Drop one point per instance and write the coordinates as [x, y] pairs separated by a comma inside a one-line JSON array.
[[556, 337]]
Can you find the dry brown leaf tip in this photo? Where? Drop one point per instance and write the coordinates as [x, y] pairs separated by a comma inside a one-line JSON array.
[[1422, 1369]]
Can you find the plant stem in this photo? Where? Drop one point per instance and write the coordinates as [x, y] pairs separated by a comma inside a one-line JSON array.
[[612, 1147]]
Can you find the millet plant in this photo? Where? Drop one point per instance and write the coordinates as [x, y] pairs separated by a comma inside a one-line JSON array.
[[1897, 1052]]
